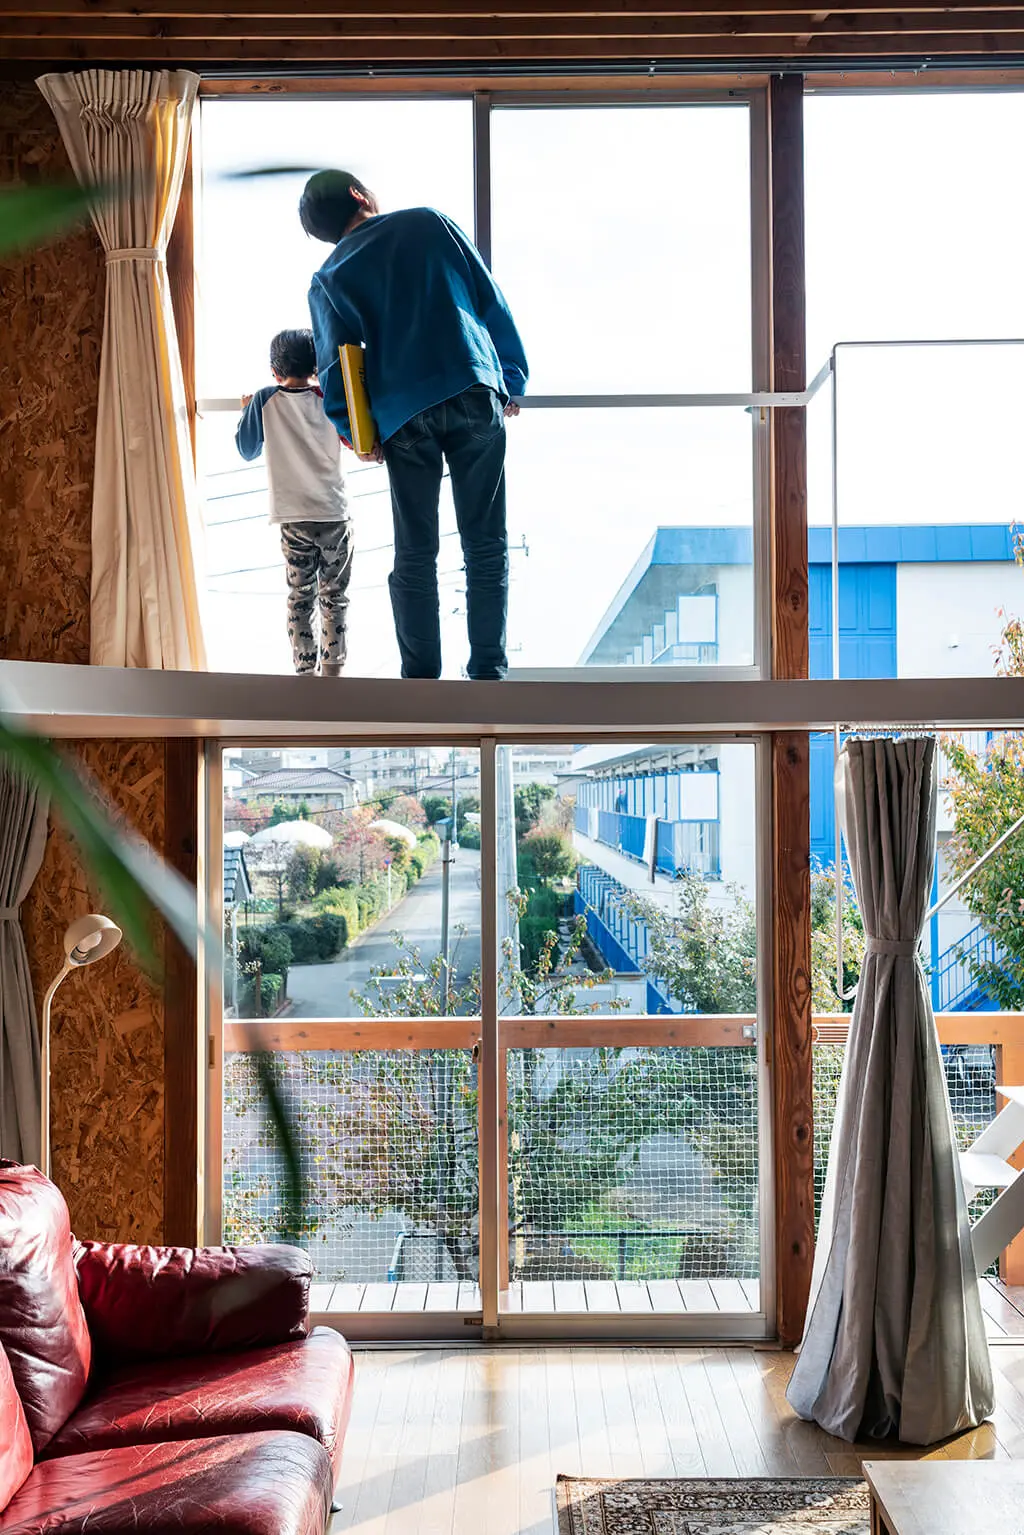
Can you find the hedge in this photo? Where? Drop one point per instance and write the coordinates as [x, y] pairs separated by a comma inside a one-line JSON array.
[[270, 947], [271, 991], [312, 938]]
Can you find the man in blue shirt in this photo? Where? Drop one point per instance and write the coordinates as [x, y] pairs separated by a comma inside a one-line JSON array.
[[443, 363]]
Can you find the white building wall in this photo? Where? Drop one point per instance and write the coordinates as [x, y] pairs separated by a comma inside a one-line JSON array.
[[737, 813], [735, 615], [947, 616]]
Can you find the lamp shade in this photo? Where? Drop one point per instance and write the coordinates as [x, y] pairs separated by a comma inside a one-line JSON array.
[[89, 939]]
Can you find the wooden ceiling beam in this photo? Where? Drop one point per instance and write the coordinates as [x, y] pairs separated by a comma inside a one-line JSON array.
[[89, 12], [807, 47], [303, 29]]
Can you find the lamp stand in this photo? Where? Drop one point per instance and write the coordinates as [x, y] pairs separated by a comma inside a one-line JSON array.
[[44, 1076]]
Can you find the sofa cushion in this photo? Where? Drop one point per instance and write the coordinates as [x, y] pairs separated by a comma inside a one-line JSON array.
[[15, 1439], [42, 1324], [157, 1302], [260, 1484], [304, 1386]]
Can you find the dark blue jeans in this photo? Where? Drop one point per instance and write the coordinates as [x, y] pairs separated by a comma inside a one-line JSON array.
[[469, 431]]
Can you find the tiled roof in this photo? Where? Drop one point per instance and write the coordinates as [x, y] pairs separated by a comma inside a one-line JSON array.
[[299, 780], [235, 865]]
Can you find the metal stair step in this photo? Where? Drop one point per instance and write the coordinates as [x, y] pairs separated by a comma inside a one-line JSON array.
[[984, 1171]]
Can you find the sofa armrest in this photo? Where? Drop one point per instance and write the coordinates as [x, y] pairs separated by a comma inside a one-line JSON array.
[[158, 1302]]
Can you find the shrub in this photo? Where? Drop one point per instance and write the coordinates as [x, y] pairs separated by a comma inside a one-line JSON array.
[[552, 855], [436, 808], [342, 902], [271, 991], [469, 835], [540, 918], [312, 939], [268, 947]]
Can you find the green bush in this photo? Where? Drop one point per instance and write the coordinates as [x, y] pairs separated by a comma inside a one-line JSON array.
[[268, 947], [343, 903], [552, 855], [540, 918], [271, 993], [469, 835], [312, 939]]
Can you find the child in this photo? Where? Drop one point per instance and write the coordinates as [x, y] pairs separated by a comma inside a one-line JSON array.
[[307, 499]]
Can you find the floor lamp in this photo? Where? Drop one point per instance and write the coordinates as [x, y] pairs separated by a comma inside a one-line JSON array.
[[86, 940]]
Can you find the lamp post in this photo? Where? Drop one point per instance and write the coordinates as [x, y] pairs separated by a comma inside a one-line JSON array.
[[86, 940]]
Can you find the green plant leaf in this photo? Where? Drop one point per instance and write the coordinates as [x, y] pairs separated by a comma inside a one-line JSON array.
[[31, 215], [293, 1223], [134, 881]]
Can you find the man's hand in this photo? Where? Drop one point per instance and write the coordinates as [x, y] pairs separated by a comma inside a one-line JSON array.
[[245, 400], [511, 409], [375, 455]]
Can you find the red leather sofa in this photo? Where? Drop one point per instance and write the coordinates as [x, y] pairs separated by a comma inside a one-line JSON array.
[[159, 1388]]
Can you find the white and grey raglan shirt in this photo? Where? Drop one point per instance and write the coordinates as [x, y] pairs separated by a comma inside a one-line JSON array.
[[303, 453]]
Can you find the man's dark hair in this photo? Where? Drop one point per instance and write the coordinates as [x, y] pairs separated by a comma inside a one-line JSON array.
[[292, 354], [327, 206]]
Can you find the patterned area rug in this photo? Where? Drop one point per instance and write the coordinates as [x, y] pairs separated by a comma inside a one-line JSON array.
[[716, 1506]]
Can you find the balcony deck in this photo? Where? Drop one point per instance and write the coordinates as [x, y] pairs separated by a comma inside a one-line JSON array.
[[1002, 1304]]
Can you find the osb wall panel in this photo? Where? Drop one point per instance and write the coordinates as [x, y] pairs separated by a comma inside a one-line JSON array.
[[107, 1088], [51, 321]]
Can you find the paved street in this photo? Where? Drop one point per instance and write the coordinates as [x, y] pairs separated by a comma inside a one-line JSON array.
[[324, 991]]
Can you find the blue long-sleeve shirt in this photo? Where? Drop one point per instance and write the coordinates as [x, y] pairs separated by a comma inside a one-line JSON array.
[[412, 289]]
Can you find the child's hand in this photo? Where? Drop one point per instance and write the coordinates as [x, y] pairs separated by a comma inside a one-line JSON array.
[[375, 455], [511, 409], [245, 400]]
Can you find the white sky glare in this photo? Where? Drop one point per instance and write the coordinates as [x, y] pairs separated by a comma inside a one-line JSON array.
[[621, 238]]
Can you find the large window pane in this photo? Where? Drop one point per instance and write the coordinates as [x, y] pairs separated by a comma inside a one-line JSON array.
[[910, 238], [631, 538], [627, 879], [390, 1149], [622, 239], [256, 260], [350, 892]]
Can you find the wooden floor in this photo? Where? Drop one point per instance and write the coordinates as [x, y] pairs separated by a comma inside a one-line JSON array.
[[469, 1441], [1004, 1309]]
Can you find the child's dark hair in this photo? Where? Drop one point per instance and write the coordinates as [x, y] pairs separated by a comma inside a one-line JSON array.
[[327, 207], [292, 354]]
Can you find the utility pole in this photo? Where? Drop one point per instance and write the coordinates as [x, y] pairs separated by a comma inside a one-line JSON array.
[[455, 803], [446, 868]]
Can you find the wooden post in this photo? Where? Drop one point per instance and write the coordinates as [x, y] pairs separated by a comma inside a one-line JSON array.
[[790, 1046], [1010, 1071], [181, 278], [181, 1007]]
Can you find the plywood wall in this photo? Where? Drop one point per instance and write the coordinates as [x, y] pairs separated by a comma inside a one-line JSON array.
[[51, 321], [107, 1082], [108, 1023]]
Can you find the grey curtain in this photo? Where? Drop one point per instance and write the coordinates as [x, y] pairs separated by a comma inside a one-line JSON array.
[[894, 1341], [23, 812]]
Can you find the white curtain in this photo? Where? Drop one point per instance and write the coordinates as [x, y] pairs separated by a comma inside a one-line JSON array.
[[23, 810], [128, 131], [895, 1339]]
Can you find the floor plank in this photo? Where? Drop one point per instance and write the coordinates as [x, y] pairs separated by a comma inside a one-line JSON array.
[[1002, 1319], [410, 1296], [634, 1296], [378, 1297], [469, 1296], [665, 1295], [320, 1297], [450, 1440], [442, 1297], [570, 1295], [538, 1296], [697, 1295], [346, 1299], [729, 1295], [602, 1295]]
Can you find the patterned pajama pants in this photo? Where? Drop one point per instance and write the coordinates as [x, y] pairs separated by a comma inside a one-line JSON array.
[[318, 565]]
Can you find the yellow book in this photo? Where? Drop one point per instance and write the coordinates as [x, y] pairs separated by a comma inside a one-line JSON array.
[[353, 373]]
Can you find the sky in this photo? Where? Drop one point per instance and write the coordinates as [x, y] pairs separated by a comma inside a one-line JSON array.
[[621, 239]]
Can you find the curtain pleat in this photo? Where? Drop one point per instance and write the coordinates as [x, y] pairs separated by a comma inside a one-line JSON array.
[[895, 1338], [23, 813], [127, 131]]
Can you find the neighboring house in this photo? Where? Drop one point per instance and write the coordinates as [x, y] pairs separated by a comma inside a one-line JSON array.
[[321, 788], [913, 602], [237, 890]]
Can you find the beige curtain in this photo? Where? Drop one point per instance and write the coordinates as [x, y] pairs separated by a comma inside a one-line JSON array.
[[129, 130], [23, 810]]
